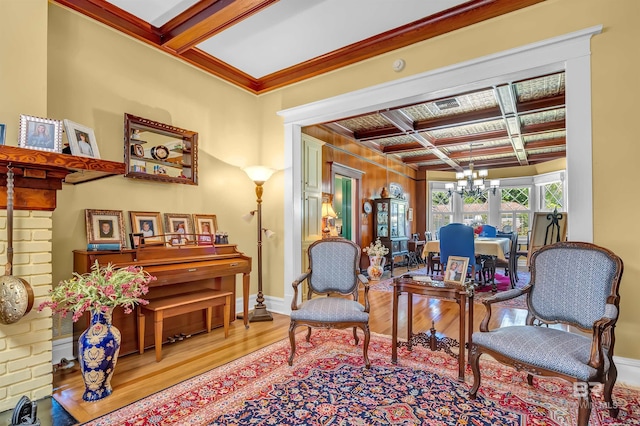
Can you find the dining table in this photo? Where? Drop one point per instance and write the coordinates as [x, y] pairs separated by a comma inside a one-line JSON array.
[[487, 246]]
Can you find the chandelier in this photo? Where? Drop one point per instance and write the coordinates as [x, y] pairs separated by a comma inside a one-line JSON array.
[[471, 183]]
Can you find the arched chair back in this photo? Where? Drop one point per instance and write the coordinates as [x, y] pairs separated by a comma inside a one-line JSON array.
[[575, 285], [488, 231], [334, 265], [457, 239]]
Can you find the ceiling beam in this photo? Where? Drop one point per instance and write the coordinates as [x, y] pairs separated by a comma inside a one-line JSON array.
[[189, 29]]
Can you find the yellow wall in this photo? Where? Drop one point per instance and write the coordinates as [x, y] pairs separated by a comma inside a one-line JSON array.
[[615, 61], [95, 75]]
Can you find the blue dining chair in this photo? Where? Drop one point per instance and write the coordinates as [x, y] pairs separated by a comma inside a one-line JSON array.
[[456, 239], [488, 231]]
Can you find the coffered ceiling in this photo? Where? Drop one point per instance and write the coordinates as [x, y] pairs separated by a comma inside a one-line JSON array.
[[513, 124], [261, 45]]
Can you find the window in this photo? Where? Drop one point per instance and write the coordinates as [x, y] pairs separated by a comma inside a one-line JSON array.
[[515, 209], [475, 209], [441, 209], [551, 197]]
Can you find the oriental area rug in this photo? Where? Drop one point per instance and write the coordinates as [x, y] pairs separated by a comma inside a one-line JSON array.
[[328, 385], [502, 283]]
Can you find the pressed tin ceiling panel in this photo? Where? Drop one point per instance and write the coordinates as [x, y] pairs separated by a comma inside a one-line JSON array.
[[494, 122]]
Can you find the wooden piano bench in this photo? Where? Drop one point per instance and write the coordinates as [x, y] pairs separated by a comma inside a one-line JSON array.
[[171, 306]]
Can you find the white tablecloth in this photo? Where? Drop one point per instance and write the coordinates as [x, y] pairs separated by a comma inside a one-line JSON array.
[[487, 246]]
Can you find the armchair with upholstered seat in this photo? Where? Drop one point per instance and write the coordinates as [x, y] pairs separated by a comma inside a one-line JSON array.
[[572, 285], [333, 283]]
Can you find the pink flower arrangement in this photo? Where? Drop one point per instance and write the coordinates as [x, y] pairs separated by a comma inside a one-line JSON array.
[[100, 290]]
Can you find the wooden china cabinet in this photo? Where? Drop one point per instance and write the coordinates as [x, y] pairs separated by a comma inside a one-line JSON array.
[[390, 226]]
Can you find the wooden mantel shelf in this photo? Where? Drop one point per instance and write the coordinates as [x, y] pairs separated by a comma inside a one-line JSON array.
[[39, 174]]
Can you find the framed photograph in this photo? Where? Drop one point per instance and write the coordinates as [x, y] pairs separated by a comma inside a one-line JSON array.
[[43, 134], [149, 225], [206, 226], [105, 227], [179, 227], [82, 141], [3, 132], [136, 239], [456, 270]]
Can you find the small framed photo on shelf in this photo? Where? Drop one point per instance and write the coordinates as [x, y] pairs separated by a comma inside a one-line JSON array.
[[3, 132], [82, 141], [136, 239], [179, 226], [456, 272], [206, 226], [149, 225], [105, 229], [43, 134]]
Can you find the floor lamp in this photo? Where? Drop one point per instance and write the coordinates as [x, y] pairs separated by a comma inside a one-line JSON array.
[[259, 175]]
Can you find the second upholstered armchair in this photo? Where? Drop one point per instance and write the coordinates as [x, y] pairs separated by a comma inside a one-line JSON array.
[[333, 283]]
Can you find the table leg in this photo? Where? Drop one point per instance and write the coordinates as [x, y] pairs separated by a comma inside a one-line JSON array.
[[394, 328], [470, 329], [462, 304], [409, 319], [245, 299]]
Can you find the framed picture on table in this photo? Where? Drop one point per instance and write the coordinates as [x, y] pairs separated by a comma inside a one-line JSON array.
[[149, 225], [43, 134], [456, 272], [179, 228], [206, 226], [105, 227], [82, 141]]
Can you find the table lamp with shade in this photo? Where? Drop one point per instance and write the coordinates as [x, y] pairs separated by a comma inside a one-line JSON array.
[[327, 212]]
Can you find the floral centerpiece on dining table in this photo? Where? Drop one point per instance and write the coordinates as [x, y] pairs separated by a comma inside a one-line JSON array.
[[99, 292], [376, 252]]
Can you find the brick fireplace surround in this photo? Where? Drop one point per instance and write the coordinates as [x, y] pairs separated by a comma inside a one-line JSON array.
[[26, 346]]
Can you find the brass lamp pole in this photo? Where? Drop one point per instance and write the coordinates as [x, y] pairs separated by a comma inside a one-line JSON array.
[[259, 175]]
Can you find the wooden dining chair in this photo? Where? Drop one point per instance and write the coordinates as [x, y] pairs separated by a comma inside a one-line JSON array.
[[457, 239]]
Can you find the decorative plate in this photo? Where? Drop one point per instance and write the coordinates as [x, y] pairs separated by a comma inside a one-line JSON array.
[[160, 152], [367, 207]]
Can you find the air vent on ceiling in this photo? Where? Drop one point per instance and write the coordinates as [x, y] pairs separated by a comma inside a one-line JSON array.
[[445, 104]]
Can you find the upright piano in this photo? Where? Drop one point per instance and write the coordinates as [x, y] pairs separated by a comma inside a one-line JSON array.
[[178, 269]]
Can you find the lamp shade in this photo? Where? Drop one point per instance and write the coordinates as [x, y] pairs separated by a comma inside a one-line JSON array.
[[259, 174], [248, 216], [327, 210], [269, 233]]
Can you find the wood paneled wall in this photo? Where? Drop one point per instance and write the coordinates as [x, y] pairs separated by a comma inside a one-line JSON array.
[[378, 171]]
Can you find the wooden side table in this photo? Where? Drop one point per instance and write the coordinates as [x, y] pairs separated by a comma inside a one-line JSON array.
[[441, 290]]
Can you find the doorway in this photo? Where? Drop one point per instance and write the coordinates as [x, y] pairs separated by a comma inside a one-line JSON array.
[[343, 205], [569, 52], [345, 182]]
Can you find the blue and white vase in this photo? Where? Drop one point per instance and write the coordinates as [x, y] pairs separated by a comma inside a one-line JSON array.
[[98, 348]]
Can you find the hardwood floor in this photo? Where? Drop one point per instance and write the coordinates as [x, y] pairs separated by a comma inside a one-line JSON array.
[[137, 376]]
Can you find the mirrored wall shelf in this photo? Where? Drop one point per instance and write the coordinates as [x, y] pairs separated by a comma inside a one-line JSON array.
[[160, 152]]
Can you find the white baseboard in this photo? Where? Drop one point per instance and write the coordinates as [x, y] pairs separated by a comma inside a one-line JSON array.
[[628, 371]]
